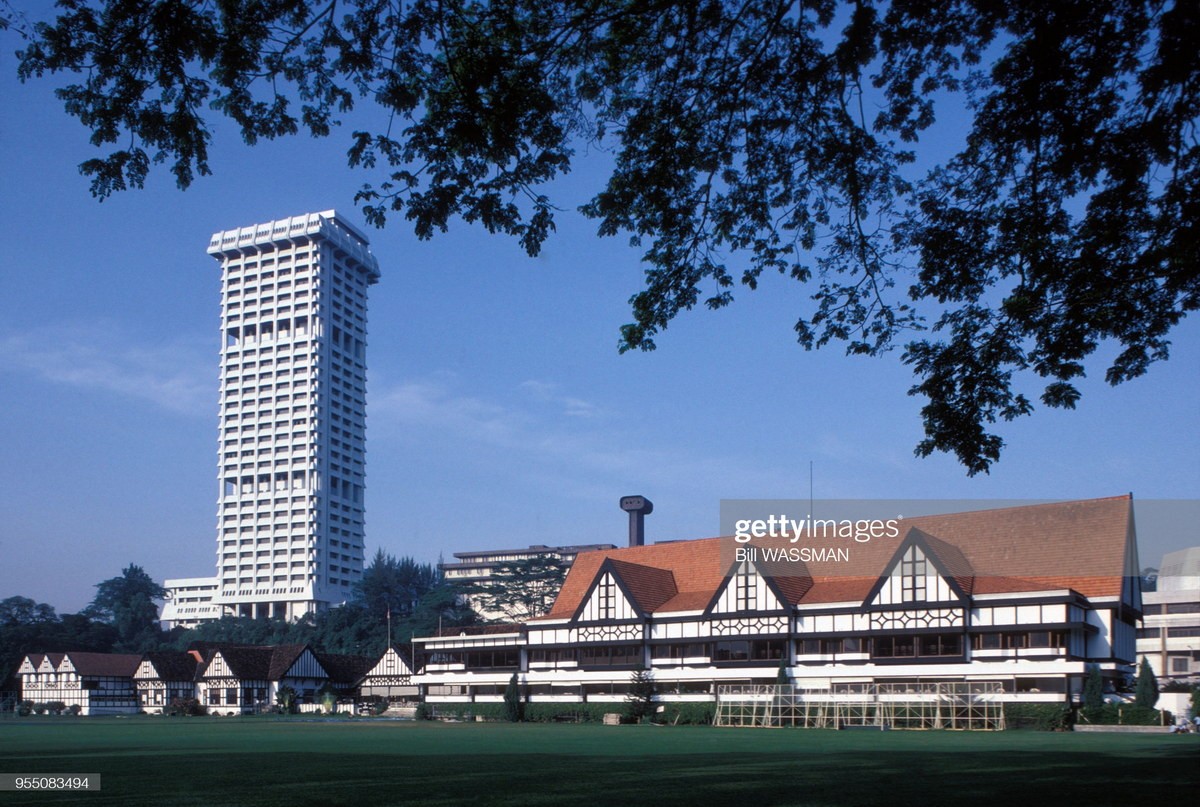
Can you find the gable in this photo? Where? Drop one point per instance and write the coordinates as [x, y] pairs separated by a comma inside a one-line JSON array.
[[746, 589], [305, 666], [914, 576], [606, 601], [29, 665], [219, 667], [392, 663], [146, 670]]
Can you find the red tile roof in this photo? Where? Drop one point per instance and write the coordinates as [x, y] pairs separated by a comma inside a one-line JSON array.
[[1079, 545]]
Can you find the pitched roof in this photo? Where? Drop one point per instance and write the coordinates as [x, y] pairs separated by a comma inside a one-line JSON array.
[[122, 665], [649, 586], [345, 669], [173, 665], [1079, 545]]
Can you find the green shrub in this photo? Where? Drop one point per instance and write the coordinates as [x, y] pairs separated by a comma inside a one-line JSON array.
[[25, 708], [1037, 716], [55, 707], [73, 710], [687, 714], [423, 711], [1119, 714], [189, 707], [39, 708]]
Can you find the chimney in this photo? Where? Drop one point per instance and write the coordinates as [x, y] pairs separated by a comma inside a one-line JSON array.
[[638, 508]]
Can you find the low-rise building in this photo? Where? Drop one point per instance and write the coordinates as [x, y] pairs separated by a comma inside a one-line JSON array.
[[1020, 599], [96, 683], [1170, 634]]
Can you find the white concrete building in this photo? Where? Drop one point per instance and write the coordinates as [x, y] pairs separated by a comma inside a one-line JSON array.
[[1170, 634], [291, 448], [189, 601]]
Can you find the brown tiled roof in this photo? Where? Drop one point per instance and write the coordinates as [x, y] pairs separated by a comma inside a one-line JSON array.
[[1078, 545], [173, 665], [649, 586], [106, 664], [283, 656], [345, 669]]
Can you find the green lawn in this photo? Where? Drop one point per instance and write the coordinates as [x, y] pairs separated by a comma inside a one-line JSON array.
[[210, 762]]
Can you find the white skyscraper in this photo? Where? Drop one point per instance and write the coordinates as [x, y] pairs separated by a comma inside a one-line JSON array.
[[292, 414]]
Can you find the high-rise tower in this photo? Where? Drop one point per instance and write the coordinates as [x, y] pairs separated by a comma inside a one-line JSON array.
[[293, 414]]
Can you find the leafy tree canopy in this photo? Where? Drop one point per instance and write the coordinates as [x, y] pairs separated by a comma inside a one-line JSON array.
[[127, 603], [518, 590], [747, 138]]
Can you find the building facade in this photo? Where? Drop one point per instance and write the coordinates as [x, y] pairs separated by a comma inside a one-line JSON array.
[[1021, 600], [189, 601], [224, 678], [93, 683], [1170, 634], [292, 439]]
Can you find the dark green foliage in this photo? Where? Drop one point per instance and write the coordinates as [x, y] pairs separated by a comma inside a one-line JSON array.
[[1093, 688], [187, 707], [640, 702], [424, 712], [781, 675], [29, 627], [1038, 716], [687, 714], [127, 603], [1124, 714], [747, 139], [519, 590], [394, 585], [514, 707], [1195, 699], [1146, 692], [532, 712], [55, 707], [419, 603], [285, 699]]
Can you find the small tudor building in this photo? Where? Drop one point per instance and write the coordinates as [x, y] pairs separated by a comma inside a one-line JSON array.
[[226, 678], [389, 678], [98, 683], [163, 677], [1023, 599]]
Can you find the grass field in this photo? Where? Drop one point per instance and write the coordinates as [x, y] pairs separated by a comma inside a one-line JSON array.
[[259, 761]]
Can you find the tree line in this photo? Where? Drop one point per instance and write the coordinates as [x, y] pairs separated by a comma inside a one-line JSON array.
[[399, 594], [396, 599]]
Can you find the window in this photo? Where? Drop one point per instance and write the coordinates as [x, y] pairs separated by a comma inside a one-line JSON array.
[[1179, 664], [912, 573], [606, 598], [924, 645], [746, 588]]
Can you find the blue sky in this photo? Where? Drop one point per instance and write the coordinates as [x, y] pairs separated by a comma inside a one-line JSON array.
[[500, 413]]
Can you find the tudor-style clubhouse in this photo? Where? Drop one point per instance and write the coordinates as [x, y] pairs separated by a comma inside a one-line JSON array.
[[1019, 601]]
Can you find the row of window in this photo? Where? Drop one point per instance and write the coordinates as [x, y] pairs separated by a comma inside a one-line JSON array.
[[885, 647]]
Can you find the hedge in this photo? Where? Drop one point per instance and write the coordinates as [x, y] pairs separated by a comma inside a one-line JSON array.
[[672, 713], [1112, 714], [1037, 716]]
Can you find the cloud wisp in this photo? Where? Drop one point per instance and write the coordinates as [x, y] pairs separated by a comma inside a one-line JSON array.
[[176, 376]]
